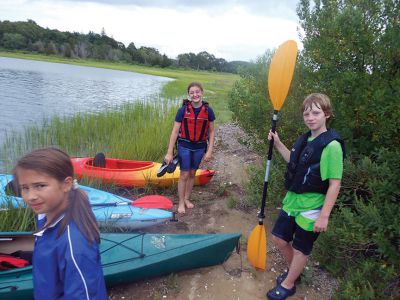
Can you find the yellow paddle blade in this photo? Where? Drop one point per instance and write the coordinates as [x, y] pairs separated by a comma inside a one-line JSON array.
[[257, 247], [281, 72]]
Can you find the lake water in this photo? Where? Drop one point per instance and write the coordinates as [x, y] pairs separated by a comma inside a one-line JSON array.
[[33, 90]]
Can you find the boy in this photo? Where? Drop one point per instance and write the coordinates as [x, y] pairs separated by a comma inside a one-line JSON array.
[[313, 177]]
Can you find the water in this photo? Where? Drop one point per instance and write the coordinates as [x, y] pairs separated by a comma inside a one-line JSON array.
[[33, 90]]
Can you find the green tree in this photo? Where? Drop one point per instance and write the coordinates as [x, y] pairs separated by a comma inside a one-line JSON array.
[[352, 53], [184, 60], [13, 41]]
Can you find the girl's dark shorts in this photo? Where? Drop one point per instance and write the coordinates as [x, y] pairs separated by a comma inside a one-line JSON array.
[[286, 229], [190, 159]]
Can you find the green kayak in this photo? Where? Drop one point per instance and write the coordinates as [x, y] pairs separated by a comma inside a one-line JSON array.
[[126, 257]]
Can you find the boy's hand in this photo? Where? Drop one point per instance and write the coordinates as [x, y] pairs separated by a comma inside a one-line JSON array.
[[321, 224], [274, 136]]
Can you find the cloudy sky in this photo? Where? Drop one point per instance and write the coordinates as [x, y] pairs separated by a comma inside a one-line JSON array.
[[229, 29]]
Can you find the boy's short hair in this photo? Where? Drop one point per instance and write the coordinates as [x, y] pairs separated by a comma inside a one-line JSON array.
[[320, 100]]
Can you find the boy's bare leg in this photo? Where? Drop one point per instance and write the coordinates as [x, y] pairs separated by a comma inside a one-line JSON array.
[[285, 248], [189, 188], [182, 183], [296, 268]]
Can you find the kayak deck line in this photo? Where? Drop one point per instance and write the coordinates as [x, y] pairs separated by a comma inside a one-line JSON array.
[[141, 254]]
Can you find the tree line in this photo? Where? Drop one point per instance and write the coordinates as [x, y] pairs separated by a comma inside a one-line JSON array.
[[29, 36]]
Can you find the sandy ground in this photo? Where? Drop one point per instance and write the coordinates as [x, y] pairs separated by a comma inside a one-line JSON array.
[[236, 278]]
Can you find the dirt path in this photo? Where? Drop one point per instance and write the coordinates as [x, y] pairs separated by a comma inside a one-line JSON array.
[[236, 278]]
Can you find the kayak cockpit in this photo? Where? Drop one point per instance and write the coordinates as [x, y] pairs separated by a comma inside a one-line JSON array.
[[16, 250], [119, 165]]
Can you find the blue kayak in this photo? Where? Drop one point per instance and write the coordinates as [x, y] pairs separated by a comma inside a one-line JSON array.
[[120, 215]]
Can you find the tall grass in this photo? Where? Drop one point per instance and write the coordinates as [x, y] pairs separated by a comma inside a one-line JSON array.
[[15, 219], [138, 131]]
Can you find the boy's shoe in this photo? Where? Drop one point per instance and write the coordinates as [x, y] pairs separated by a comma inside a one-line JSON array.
[[280, 293], [172, 165], [283, 276], [162, 170]]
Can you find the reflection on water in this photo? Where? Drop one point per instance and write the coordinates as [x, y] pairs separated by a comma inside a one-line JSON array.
[[32, 90]]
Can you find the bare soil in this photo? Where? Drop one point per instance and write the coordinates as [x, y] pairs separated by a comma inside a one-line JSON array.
[[236, 278]]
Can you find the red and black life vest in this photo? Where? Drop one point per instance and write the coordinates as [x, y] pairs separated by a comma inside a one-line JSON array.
[[194, 128], [8, 262]]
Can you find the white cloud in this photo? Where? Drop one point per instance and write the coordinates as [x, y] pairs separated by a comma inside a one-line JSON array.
[[233, 33]]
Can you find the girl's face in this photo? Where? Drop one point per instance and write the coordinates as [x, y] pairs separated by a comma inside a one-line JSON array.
[[43, 193], [315, 119], [195, 94]]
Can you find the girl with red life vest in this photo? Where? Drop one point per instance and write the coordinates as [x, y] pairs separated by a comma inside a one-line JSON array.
[[194, 131], [66, 258]]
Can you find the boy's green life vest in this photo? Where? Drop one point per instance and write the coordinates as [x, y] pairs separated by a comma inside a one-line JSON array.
[[303, 170]]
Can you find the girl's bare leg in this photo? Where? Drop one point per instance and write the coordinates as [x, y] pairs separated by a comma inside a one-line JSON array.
[[188, 189], [182, 183]]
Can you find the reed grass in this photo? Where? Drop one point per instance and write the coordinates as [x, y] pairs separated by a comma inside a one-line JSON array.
[[16, 218], [137, 131]]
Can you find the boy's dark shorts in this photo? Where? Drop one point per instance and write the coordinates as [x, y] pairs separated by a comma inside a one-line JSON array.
[[286, 229]]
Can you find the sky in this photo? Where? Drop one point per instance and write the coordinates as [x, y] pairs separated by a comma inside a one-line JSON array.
[[229, 29]]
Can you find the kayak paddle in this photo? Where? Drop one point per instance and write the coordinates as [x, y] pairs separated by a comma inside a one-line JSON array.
[[149, 201], [279, 78]]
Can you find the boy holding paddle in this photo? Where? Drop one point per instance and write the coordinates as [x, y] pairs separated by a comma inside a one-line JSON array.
[[313, 177]]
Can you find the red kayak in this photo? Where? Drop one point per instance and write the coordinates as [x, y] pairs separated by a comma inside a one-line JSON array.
[[131, 173]]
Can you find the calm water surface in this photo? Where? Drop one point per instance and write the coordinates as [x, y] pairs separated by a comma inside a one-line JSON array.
[[33, 90]]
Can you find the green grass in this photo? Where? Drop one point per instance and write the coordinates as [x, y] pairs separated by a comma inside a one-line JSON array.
[[15, 219], [136, 131]]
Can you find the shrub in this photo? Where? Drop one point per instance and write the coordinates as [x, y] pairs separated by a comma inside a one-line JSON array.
[[364, 231]]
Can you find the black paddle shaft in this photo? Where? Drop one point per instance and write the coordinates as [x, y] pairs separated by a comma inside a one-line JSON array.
[[261, 215]]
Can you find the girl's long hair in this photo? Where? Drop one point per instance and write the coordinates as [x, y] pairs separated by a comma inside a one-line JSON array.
[[57, 164]]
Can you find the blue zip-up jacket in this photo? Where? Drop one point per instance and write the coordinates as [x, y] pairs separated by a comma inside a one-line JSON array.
[[67, 267]]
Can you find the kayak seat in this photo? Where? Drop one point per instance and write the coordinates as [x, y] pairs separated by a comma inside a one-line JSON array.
[[99, 160], [27, 255]]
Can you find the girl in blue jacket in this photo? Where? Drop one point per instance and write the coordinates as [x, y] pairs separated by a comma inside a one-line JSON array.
[[66, 259]]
